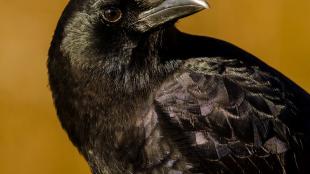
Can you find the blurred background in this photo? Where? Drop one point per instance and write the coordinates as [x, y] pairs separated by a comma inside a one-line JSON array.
[[31, 139]]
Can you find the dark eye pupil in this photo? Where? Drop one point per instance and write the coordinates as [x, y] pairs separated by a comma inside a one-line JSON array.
[[112, 14]]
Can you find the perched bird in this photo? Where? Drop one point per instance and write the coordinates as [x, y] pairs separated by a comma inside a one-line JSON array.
[[137, 96]]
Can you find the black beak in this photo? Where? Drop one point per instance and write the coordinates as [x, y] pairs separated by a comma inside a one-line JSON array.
[[167, 11]]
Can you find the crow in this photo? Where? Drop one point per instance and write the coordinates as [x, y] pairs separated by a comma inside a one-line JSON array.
[[138, 96]]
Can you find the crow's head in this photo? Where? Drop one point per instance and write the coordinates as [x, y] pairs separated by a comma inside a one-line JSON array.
[[136, 15], [116, 36]]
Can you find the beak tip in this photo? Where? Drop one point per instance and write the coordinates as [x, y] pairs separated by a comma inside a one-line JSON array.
[[202, 3]]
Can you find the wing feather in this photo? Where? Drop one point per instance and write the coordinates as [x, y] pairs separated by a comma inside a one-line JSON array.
[[225, 117]]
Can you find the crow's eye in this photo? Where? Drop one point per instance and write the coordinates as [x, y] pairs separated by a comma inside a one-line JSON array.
[[112, 14]]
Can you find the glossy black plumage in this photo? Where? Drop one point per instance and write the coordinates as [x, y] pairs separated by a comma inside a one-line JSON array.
[[161, 101], [230, 118]]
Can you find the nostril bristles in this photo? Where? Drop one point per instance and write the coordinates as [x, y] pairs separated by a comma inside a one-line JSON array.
[[148, 3]]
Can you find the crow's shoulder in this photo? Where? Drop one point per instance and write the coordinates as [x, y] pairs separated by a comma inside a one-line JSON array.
[[225, 115]]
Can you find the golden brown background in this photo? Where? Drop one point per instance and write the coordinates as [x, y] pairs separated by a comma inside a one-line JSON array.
[[31, 139]]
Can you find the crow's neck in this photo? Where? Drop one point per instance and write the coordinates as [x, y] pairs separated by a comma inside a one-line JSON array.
[[142, 67]]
